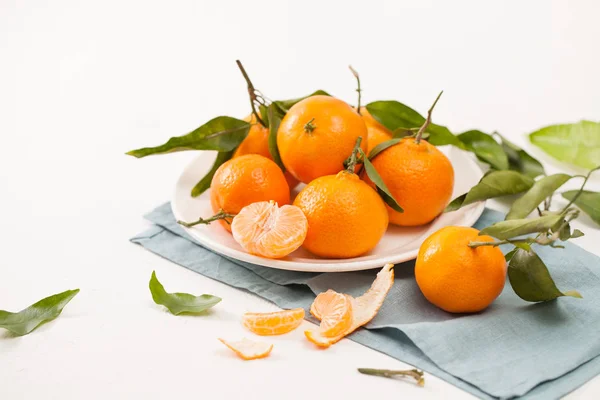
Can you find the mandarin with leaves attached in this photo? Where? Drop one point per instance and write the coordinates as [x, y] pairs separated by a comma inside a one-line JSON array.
[[316, 136], [458, 278], [245, 180], [257, 142], [346, 217]]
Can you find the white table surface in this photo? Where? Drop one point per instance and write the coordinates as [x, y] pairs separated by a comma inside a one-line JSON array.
[[83, 82]]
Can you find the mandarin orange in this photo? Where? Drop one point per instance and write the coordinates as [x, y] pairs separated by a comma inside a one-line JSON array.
[[456, 277], [257, 142], [245, 180], [377, 133], [316, 136], [346, 217], [419, 176]]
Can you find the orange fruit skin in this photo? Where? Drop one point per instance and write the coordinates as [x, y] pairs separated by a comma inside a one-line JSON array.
[[419, 176], [245, 180], [346, 217], [310, 155], [257, 142], [456, 277], [376, 132]]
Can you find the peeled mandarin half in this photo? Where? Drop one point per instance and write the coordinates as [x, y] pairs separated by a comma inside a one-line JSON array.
[[266, 230], [364, 308], [248, 349], [335, 312], [274, 323]]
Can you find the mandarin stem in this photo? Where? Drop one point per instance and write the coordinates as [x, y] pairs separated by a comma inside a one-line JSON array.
[[388, 373], [581, 188], [220, 215], [353, 159], [358, 89], [251, 93], [428, 120]]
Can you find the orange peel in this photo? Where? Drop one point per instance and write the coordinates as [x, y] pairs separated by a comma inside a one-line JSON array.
[[248, 349], [273, 323], [364, 308]]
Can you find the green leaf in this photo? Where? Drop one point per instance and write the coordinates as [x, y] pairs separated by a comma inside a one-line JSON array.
[[382, 146], [395, 115], [275, 120], [540, 190], [531, 280], [382, 189], [285, 105], [577, 233], [485, 148], [519, 160], [494, 184], [518, 227], [205, 182], [576, 144], [178, 303], [45, 310], [588, 201], [263, 111], [221, 134]]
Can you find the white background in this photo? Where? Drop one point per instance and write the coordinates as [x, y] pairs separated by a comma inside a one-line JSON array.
[[83, 82]]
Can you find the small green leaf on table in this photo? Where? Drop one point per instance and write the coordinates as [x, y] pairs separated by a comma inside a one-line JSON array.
[[220, 133], [494, 184], [577, 144], [588, 201], [485, 148], [395, 115], [274, 117], [178, 303], [206, 180], [25, 321], [531, 280], [518, 227], [382, 189], [540, 190], [519, 160]]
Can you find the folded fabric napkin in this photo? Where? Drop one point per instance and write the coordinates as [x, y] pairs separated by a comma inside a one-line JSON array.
[[514, 348]]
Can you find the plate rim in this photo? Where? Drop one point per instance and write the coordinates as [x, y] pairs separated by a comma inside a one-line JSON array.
[[344, 265]]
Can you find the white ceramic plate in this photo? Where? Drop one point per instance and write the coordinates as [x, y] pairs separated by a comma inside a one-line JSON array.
[[398, 245]]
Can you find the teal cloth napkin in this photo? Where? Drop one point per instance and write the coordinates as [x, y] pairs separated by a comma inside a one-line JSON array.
[[514, 348]]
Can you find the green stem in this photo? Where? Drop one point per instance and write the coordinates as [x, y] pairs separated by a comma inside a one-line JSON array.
[[388, 373], [354, 157], [428, 120], [251, 93], [309, 126], [581, 189], [358, 89], [220, 215]]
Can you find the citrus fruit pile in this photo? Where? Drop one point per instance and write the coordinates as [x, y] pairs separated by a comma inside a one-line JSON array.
[[340, 315], [340, 212]]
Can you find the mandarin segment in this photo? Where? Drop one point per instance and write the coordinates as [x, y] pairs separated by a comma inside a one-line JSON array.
[[364, 308], [456, 277], [248, 349], [266, 230], [273, 323], [346, 217], [245, 180], [316, 136], [335, 312]]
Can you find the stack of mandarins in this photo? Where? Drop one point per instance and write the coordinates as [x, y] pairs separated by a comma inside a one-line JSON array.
[[322, 142]]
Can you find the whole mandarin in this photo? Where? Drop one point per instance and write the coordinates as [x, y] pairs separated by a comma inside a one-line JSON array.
[[316, 136], [456, 277], [245, 180]]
